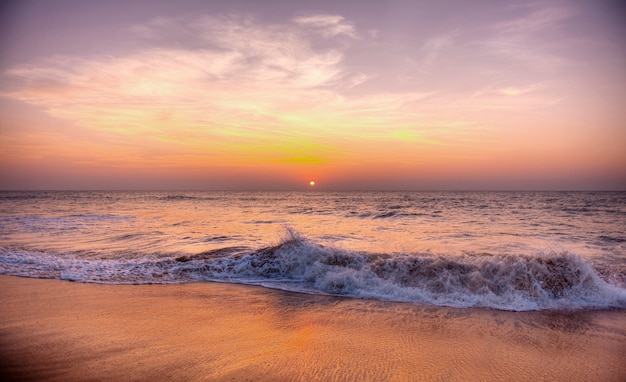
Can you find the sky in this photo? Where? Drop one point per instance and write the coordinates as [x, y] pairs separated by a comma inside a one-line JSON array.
[[354, 95]]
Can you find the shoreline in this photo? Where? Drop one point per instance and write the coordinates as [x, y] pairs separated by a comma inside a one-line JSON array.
[[60, 330]]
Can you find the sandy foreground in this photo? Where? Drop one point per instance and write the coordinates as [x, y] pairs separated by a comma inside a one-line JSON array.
[[63, 331]]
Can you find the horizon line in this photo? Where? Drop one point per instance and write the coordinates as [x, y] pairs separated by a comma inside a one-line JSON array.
[[308, 190]]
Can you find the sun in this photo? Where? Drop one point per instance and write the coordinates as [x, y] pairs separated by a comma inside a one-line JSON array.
[[312, 183]]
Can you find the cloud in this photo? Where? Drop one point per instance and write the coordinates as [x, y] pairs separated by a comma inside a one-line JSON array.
[[433, 49], [328, 25], [240, 60], [240, 79], [216, 86], [541, 18], [239, 84], [528, 39], [517, 91]]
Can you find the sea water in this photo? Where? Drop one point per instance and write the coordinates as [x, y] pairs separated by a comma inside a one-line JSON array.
[[503, 250]]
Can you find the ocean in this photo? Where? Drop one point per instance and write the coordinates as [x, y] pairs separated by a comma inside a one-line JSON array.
[[513, 251]]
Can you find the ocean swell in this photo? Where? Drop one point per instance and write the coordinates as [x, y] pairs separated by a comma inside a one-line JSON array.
[[546, 281], [508, 282]]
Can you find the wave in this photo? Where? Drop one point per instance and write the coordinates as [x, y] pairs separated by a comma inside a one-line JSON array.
[[390, 214], [507, 282], [32, 223]]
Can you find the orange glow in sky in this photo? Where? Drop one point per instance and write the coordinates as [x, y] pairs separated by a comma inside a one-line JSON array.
[[396, 95]]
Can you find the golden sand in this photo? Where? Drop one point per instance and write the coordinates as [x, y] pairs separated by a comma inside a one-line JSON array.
[[63, 331]]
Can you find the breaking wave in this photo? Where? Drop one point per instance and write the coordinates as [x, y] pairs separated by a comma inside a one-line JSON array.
[[508, 282]]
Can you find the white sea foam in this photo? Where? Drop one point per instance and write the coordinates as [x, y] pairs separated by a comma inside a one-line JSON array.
[[510, 282]]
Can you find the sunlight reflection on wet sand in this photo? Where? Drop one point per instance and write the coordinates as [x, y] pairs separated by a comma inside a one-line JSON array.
[[57, 330]]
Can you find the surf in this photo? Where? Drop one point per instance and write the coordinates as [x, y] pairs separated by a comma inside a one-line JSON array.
[[517, 282]]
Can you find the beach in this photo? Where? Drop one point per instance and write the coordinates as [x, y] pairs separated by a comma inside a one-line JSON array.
[[59, 330], [236, 190]]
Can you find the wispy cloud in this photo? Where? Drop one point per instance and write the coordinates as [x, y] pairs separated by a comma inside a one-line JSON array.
[[517, 91], [242, 76], [240, 63], [241, 84], [523, 39], [433, 49], [222, 84], [541, 17], [328, 25]]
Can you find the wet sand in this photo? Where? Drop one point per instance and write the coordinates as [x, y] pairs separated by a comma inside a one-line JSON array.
[[63, 331]]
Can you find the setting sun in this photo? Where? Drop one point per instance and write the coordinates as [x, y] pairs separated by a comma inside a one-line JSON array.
[[312, 183]]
